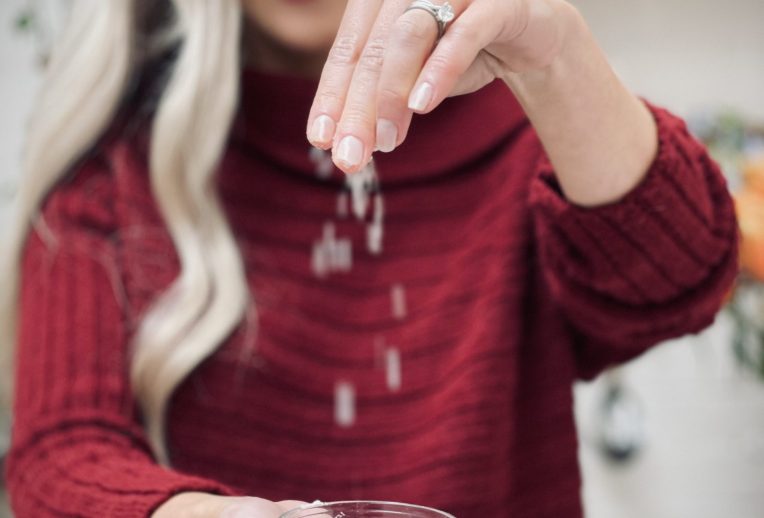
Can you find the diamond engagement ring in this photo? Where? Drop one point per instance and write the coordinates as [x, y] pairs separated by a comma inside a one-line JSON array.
[[442, 13]]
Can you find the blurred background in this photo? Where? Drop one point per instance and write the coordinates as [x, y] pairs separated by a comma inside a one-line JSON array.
[[678, 433]]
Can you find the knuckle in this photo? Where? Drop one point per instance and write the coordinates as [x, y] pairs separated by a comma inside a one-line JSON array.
[[355, 117], [441, 63], [328, 100], [392, 95], [344, 51], [409, 31], [464, 32], [373, 54]]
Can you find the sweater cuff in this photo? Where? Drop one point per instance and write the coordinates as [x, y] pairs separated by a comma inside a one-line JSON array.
[[656, 263], [116, 487], [98, 467]]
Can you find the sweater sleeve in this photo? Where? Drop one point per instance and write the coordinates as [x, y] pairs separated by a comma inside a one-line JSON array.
[[78, 448], [652, 266]]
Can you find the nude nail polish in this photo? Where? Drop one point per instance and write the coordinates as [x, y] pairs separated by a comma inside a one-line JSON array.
[[322, 129], [421, 97], [387, 135], [350, 151]]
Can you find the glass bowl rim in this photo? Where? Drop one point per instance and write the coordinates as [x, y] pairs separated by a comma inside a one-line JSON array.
[[318, 504]]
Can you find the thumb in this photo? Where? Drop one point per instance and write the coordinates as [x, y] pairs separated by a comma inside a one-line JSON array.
[[481, 72], [250, 507], [288, 505]]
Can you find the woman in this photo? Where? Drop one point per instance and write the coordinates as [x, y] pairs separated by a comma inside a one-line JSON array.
[[204, 330]]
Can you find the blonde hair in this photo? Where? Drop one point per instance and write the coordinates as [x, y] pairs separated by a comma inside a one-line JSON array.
[[104, 45]]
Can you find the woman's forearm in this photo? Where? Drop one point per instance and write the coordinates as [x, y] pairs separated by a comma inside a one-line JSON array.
[[600, 138]]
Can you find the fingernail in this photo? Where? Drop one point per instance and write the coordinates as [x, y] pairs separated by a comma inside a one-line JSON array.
[[350, 151], [420, 97], [387, 134], [322, 129]]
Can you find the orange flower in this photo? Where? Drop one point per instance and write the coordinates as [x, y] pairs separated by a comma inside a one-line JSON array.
[[730, 294], [750, 213], [753, 174]]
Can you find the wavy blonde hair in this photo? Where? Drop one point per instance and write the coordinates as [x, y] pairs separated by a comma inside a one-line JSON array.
[[105, 44]]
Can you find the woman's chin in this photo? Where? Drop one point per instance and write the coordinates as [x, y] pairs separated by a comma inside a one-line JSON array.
[[303, 44], [302, 26], [294, 41]]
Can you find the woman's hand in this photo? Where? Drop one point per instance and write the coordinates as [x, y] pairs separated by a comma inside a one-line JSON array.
[[599, 137], [382, 66], [203, 505]]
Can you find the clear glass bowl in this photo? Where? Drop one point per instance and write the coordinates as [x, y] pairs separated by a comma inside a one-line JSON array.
[[364, 509]]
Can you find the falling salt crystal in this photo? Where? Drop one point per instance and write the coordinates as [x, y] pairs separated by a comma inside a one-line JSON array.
[[393, 368], [374, 238], [361, 184], [331, 254], [342, 255], [398, 300], [342, 205], [321, 258], [375, 229], [319, 262], [344, 404], [323, 161]]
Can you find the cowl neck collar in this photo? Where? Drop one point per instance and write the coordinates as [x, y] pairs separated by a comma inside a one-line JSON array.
[[273, 116]]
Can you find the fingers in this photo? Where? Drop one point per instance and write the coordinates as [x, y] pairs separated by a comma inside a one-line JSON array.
[[354, 139], [345, 104], [399, 44], [382, 68], [454, 55], [336, 76], [409, 44]]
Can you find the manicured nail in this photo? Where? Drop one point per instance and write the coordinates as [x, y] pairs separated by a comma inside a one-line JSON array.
[[387, 134], [421, 97], [322, 130], [350, 151]]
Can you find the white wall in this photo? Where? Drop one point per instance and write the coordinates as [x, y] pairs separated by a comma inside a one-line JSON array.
[[704, 451], [18, 81], [687, 54]]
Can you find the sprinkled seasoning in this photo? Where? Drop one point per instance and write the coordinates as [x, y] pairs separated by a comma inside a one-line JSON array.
[[344, 404], [361, 185], [398, 301], [393, 368], [331, 254], [375, 229], [323, 161]]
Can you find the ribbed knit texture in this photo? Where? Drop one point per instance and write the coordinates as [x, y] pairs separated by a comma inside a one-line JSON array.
[[511, 293]]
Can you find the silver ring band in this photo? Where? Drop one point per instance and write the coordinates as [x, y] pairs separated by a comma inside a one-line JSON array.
[[442, 13]]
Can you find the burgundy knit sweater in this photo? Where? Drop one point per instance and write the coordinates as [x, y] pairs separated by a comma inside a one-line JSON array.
[[452, 352]]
